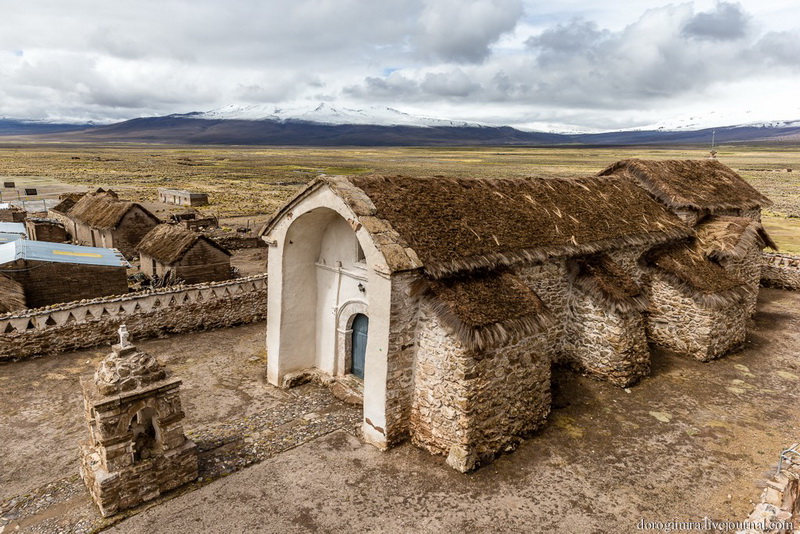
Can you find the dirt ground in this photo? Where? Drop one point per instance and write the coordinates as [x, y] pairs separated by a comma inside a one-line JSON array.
[[692, 440]]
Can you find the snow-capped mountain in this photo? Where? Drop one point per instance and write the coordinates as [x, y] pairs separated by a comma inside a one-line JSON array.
[[724, 119], [325, 113]]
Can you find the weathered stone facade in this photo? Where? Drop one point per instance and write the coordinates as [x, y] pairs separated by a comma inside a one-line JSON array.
[[781, 271], [400, 357], [605, 344], [681, 324], [136, 449], [748, 269], [473, 405], [78, 325], [549, 282]]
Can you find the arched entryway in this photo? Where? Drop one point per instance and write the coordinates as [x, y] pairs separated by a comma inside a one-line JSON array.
[[359, 345]]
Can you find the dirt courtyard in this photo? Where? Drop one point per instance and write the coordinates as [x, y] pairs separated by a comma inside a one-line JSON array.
[[692, 440]]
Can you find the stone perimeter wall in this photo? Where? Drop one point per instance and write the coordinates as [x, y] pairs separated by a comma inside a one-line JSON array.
[[780, 271], [82, 324]]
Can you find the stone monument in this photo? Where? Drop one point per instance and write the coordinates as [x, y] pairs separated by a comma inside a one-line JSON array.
[[137, 449]]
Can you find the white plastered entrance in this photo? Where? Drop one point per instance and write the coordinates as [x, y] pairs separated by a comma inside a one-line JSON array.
[[318, 282]]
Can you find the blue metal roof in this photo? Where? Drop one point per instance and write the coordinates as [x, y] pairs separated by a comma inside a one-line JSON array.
[[8, 238], [26, 249], [13, 228]]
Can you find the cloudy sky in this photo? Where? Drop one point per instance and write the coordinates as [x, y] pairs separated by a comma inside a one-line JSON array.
[[528, 63]]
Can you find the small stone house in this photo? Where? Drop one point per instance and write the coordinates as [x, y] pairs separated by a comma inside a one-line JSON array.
[[103, 220], [50, 273], [182, 197], [49, 230], [11, 213], [450, 298], [169, 250]]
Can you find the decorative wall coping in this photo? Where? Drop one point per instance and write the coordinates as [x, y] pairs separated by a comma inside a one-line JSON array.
[[89, 310], [32, 312]]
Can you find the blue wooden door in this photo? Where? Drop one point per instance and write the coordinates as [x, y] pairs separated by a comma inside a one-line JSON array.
[[360, 327]]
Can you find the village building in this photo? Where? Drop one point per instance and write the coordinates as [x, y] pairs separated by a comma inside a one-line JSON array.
[[11, 213], [51, 273], [181, 197], [103, 220], [170, 251], [11, 231], [50, 230], [12, 295], [450, 298]]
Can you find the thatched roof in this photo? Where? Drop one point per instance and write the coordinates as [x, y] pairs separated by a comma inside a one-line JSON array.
[[731, 237], [696, 276], [485, 309], [12, 295], [608, 283], [703, 184], [103, 210], [451, 225], [167, 243]]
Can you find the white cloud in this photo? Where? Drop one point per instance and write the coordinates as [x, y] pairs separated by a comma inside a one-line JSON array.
[[504, 61]]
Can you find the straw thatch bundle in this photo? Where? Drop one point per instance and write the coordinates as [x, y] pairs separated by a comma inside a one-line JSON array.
[[485, 309], [687, 268], [607, 283], [460, 225], [731, 237], [694, 184]]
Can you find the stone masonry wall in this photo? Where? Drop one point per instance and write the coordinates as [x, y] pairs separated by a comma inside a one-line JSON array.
[[400, 364], [549, 282], [472, 406], [608, 345], [83, 324], [748, 269], [781, 271], [684, 326]]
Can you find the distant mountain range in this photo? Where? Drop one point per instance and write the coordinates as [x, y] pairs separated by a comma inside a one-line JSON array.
[[328, 125]]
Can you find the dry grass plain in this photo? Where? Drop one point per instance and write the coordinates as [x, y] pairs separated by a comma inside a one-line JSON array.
[[252, 181]]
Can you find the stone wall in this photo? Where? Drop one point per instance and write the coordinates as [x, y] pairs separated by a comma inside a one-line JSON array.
[[47, 283], [680, 324], [83, 324], [748, 269], [549, 282], [778, 511], [400, 358], [472, 406], [606, 344], [781, 271]]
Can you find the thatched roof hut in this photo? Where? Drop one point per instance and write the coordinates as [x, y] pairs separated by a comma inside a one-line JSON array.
[[703, 184], [103, 210], [168, 243]]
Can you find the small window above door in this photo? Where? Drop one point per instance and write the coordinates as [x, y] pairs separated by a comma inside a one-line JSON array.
[[360, 257]]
